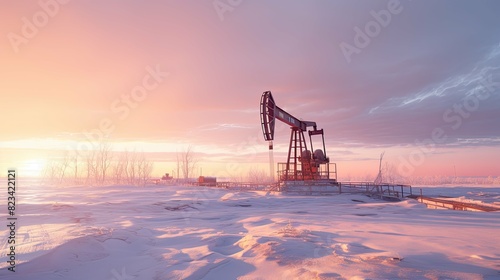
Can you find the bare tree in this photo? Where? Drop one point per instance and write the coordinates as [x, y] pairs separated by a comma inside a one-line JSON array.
[[125, 163], [188, 162], [380, 178], [74, 159], [51, 171], [257, 176], [104, 158], [97, 163], [145, 167], [63, 165], [55, 170], [120, 166], [132, 168], [178, 165], [91, 166]]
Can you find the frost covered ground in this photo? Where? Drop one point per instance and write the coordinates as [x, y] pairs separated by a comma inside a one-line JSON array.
[[170, 232]]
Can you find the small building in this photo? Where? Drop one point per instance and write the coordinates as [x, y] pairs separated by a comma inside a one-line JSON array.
[[207, 181]]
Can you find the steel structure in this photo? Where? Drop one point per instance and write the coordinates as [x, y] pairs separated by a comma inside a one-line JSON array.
[[301, 164]]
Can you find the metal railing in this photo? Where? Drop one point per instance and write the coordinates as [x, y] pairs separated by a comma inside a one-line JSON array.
[[383, 190]]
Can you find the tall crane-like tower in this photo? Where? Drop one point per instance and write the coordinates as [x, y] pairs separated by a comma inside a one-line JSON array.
[[302, 164]]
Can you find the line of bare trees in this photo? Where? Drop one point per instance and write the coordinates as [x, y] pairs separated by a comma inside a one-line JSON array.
[[131, 168], [100, 166]]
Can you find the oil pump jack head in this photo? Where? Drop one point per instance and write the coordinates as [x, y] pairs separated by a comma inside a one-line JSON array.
[[267, 117]]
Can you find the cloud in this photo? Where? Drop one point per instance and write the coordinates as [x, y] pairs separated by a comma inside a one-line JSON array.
[[403, 119]]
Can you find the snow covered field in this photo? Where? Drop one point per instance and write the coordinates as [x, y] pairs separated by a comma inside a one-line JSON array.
[[165, 232]]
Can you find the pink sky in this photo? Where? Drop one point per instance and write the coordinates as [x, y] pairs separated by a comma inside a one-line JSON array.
[[78, 67]]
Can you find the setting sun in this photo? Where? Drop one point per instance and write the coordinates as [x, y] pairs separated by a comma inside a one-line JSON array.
[[32, 167]]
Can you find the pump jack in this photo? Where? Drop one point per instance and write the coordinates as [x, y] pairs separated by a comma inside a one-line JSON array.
[[301, 165]]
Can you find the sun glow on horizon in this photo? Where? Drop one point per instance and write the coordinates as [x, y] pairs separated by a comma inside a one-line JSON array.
[[33, 167]]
